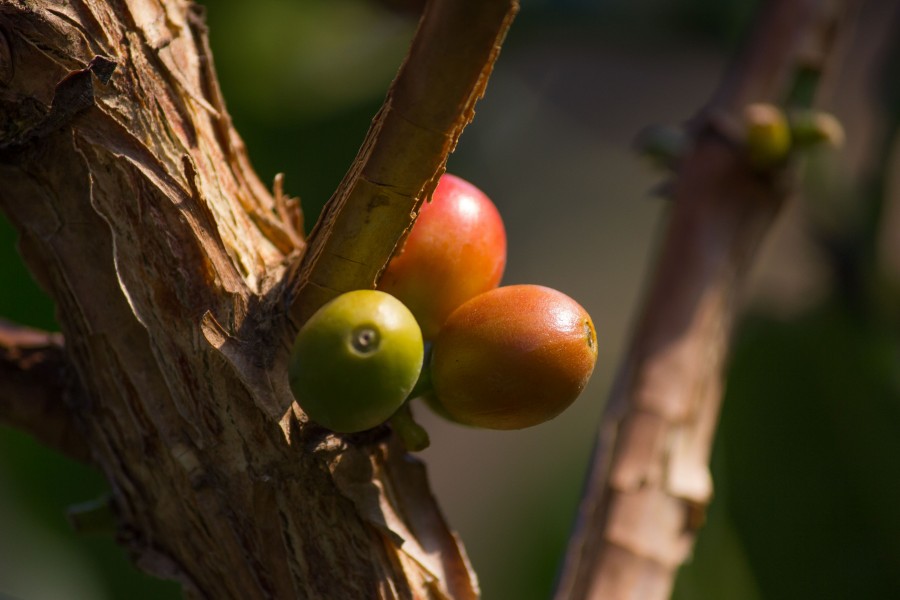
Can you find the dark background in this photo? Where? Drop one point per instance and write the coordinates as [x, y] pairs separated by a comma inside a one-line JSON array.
[[807, 462]]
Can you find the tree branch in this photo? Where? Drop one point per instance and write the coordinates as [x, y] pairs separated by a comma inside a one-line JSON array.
[[139, 213], [430, 102], [649, 484], [35, 379]]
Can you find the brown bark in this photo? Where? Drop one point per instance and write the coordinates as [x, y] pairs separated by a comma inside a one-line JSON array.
[[650, 483], [171, 266]]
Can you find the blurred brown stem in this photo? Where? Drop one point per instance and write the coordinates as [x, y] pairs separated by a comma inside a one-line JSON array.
[[34, 385], [649, 484]]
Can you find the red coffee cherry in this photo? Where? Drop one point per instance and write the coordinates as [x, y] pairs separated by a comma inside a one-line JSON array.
[[455, 251], [512, 357]]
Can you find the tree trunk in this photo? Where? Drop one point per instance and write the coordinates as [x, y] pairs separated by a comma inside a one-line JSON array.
[[173, 270]]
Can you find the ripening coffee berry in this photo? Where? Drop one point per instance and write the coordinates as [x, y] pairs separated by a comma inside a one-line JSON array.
[[768, 136], [455, 251], [513, 357], [355, 361], [811, 128]]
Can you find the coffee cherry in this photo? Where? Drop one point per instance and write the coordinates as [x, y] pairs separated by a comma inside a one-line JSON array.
[[512, 357], [455, 251], [768, 136], [355, 361]]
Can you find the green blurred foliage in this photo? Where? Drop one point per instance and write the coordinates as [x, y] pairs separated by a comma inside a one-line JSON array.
[[806, 460], [809, 439], [806, 463], [302, 80], [45, 486]]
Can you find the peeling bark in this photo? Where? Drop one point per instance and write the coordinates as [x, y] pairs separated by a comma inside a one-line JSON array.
[[172, 267]]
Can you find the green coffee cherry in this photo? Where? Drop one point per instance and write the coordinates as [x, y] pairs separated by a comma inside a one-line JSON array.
[[767, 135], [356, 360], [811, 128]]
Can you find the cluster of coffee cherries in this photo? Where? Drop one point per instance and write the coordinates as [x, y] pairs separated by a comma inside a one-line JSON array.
[[772, 135], [439, 328]]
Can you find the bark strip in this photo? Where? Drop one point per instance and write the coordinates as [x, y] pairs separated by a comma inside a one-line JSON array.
[[404, 153]]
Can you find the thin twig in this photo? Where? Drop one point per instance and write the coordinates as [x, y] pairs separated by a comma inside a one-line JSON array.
[[291, 219]]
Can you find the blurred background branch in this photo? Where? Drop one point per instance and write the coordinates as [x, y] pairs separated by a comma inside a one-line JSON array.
[[650, 486]]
